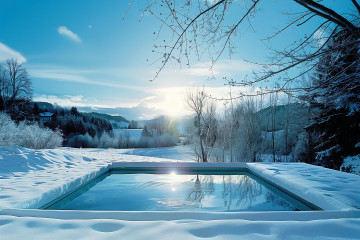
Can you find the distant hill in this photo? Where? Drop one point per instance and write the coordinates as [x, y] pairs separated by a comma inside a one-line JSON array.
[[44, 105], [109, 117], [297, 116], [117, 121]]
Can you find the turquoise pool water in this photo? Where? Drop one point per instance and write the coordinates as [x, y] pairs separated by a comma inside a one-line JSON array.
[[228, 192]]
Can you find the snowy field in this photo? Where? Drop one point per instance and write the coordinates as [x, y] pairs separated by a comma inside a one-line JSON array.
[[30, 178], [181, 153]]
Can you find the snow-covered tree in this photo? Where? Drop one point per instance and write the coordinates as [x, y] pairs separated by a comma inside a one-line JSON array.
[[247, 137], [26, 134], [336, 92], [203, 132]]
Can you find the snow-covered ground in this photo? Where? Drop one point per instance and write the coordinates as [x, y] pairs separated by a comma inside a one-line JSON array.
[[182, 152], [29, 178]]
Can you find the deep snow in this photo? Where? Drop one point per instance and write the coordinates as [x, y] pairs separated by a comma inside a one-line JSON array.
[[29, 178]]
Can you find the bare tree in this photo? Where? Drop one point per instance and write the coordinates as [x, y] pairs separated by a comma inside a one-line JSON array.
[[286, 133], [247, 135], [19, 80], [205, 123], [211, 27], [196, 101], [4, 88], [15, 83], [273, 123]]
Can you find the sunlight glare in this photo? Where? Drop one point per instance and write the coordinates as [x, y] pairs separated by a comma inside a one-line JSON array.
[[173, 103]]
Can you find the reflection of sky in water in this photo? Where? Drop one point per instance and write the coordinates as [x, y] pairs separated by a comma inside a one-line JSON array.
[[173, 192]]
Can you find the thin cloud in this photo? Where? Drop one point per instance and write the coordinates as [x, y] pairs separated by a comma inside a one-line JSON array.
[[150, 98], [62, 30], [70, 100], [136, 111], [75, 76], [223, 68], [7, 53], [64, 101]]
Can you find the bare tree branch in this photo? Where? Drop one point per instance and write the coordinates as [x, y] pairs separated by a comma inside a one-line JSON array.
[[328, 14], [356, 4], [167, 57]]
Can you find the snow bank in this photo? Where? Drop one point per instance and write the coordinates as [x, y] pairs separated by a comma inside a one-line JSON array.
[[32, 178], [329, 189], [28, 178], [13, 227]]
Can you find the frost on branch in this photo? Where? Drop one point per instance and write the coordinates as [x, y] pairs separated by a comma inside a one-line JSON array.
[[27, 135]]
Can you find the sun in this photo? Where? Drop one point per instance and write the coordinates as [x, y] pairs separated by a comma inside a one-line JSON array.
[[174, 103]]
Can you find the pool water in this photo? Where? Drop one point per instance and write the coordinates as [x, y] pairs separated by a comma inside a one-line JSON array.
[[178, 192]]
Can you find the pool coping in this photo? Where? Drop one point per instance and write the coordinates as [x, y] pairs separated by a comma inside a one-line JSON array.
[[208, 167], [181, 169]]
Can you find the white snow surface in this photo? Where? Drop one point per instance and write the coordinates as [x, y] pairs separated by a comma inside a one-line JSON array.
[[31, 178], [182, 153]]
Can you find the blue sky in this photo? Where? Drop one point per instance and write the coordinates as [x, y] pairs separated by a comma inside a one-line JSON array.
[[84, 54]]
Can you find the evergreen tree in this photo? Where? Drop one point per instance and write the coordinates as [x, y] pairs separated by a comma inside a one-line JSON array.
[[74, 111], [336, 93], [36, 109]]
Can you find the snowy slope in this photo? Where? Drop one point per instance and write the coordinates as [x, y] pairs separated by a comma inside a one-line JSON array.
[[27, 177]]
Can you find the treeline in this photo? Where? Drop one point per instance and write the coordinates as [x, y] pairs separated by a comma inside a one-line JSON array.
[[243, 133], [277, 133], [159, 132], [72, 123]]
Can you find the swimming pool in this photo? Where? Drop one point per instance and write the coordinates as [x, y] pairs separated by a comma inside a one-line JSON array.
[[169, 189]]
